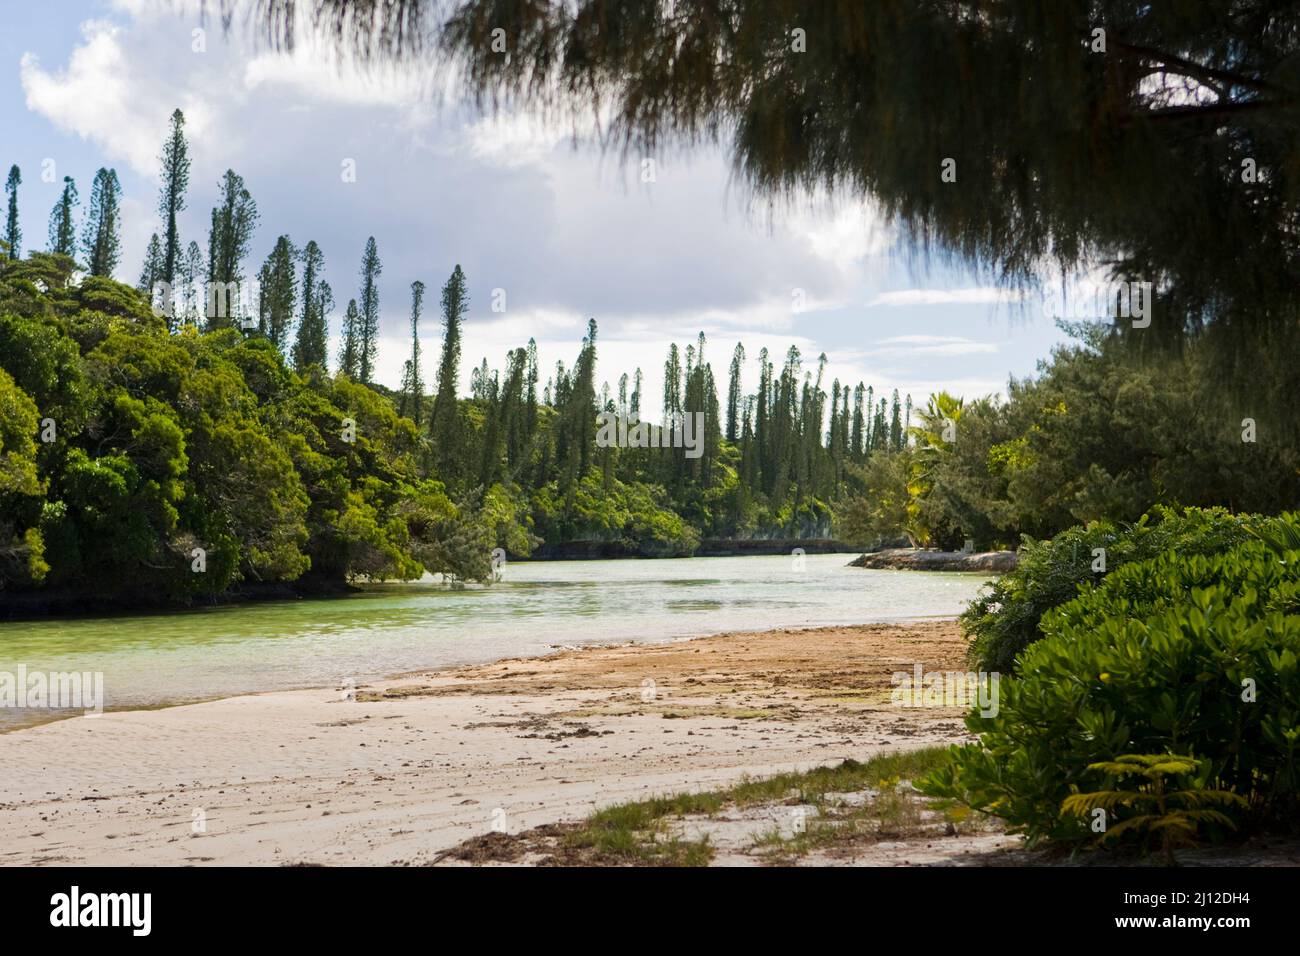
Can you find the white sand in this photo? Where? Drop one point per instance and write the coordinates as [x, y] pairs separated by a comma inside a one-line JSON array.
[[309, 777]]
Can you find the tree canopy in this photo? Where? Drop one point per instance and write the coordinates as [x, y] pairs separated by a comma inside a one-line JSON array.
[[1025, 139], [141, 465]]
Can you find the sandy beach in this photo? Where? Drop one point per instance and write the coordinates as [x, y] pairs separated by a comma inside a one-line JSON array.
[[399, 771]]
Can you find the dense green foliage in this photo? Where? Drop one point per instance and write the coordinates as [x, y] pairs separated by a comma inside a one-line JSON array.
[[779, 479], [146, 459], [1188, 655], [1096, 436], [1004, 620], [123, 448]]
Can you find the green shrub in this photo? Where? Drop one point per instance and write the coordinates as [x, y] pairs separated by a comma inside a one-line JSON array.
[[1197, 656], [1004, 620], [1174, 816]]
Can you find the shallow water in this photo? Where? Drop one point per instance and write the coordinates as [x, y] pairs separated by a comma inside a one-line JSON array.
[[157, 659]]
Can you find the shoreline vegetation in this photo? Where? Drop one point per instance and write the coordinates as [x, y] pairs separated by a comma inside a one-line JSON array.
[[160, 458]]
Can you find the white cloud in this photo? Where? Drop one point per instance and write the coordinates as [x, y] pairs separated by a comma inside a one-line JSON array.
[[107, 94], [978, 295], [512, 140], [313, 73], [846, 233], [94, 98], [921, 339], [933, 345]]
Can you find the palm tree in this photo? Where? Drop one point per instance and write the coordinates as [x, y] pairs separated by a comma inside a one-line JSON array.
[[934, 437]]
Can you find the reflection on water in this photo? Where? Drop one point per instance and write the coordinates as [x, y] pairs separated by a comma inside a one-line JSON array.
[[154, 659]]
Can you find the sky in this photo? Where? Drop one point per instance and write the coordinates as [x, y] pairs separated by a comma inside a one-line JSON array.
[[553, 231]]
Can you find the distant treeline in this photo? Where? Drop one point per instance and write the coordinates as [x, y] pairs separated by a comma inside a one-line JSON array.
[[142, 463]]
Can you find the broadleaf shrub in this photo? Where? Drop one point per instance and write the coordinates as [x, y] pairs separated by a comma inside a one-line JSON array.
[[1004, 620], [1189, 655]]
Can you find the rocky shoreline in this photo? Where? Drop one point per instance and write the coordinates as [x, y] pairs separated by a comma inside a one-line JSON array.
[[926, 559]]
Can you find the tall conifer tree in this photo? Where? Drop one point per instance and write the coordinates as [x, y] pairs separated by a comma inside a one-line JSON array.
[[191, 277], [349, 346], [151, 271], [100, 242], [416, 381], [734, 393], [859, 424], [13, 236], [175, 161], [279, 293], [368, 333], [443, 418], [233, 222], [311, 344], [63, 232]]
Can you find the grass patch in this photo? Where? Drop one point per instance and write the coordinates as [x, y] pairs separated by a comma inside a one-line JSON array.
[[644, 832], [812, 786], [634, 832], [891, 814], [638, 832]]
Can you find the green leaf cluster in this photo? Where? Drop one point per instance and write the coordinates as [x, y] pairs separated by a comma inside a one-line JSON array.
[[141, 466], [1004, 619], [1196, 655]]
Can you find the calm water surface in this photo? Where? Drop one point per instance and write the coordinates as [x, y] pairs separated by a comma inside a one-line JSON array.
[[151, 660]]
